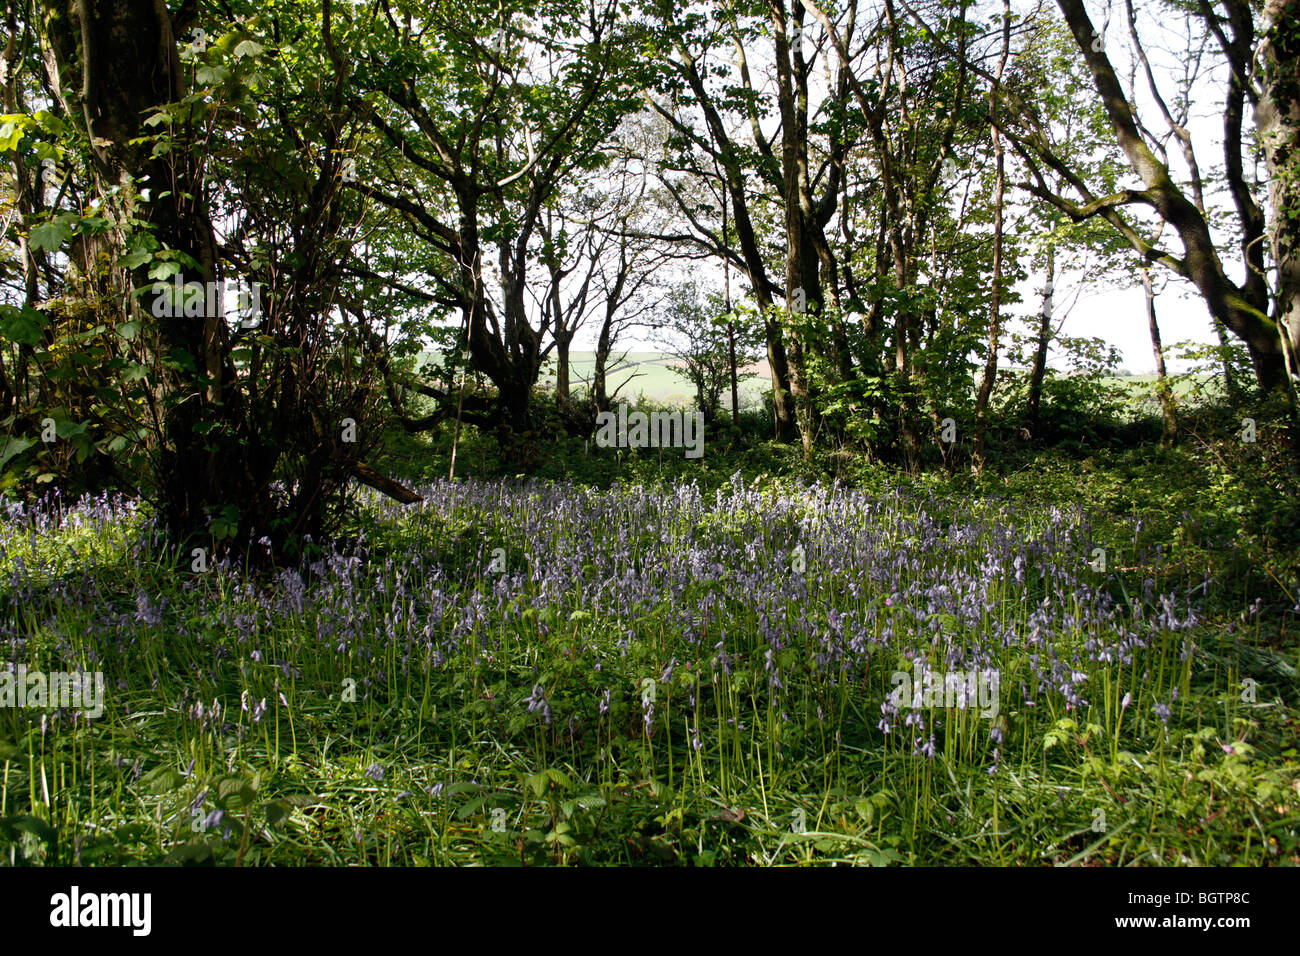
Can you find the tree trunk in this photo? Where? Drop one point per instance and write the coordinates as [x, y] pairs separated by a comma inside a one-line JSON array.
[[731, 367], [562, 342], [1278, 123], [731, 325], [1167, 416], [126, 55], [803, 292], [1044, 341], [995, 306], [599, 390]]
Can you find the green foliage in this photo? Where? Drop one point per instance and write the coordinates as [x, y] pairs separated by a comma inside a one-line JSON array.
[[1087, 403], [400, 773], [702, 336]]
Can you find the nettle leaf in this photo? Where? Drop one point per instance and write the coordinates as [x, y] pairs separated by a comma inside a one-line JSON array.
[[235, 793], [277, 812], [134, 260], [49, 236], [162, 779], [129, 330], [559, 778]]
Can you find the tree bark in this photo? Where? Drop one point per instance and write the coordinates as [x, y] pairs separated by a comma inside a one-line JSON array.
[[803, 289], [1167, 415], [995, 306], [127, 58], [1044, 340], [382, 483], [1278, 124]]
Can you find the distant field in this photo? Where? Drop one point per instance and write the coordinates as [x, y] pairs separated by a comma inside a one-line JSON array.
[[650, 375], [1182, 386]]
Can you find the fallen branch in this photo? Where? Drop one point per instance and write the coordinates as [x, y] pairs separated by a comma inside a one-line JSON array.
[[382, 483]]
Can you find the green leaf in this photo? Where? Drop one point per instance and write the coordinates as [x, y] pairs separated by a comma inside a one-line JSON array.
[[471, 808], [15, 445], [234, 794], [162, 779], [23, 326], [559, 778], [91, 225], [277, 812], [194, 851], [212, 75], [248, 48], [132, 833], [10, 136], [537, 783], [28, 824], [65, 428], [49, 236], [49, 122]]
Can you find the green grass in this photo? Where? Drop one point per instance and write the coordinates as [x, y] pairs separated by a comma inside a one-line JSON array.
[[412, 730], [650, 375]]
